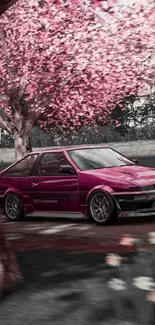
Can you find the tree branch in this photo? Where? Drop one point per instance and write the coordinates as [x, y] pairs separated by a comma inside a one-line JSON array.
[[2, 97], [27, 126], [5, 49], [23, 87], [6, 4]]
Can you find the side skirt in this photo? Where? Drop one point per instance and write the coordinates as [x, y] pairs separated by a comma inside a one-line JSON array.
[[60, 214]]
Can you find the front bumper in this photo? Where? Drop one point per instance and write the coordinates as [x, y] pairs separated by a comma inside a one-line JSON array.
[[136, 204], [137, 213]]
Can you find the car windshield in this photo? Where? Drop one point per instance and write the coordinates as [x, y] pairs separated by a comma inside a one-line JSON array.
[[96, 158]]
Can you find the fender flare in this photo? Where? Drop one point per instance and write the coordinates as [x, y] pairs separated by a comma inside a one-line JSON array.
[[103, 188], [14, 191], [107, 189]]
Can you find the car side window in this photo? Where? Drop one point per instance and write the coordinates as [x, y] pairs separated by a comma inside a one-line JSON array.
[[50, 163], [22, 168]]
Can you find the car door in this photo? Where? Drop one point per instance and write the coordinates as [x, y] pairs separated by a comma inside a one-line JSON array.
[[17, 176], [52, 191]]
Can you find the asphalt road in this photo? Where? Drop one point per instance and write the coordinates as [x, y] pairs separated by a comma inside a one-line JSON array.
[[66, 279], [62, 288], [78, 230], [65, 275]]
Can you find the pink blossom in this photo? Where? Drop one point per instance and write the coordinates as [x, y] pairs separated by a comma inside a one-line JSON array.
[[69, 65]]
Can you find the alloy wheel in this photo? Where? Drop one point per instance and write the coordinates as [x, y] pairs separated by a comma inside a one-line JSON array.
[[100, 207], [12, 206]]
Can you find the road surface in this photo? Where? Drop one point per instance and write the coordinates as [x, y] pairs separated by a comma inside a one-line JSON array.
[[65, 275], [77, 232]]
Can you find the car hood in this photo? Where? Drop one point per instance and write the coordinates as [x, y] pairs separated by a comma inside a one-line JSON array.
[[135, 175]]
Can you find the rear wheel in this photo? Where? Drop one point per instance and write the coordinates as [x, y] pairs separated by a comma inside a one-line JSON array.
[[101, 208], [13, 207]]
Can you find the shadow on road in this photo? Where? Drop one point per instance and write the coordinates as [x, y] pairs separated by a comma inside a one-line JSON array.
[[68, 287], [60, 288]]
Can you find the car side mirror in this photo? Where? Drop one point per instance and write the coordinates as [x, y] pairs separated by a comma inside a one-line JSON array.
[[66, 169], [135, 161]]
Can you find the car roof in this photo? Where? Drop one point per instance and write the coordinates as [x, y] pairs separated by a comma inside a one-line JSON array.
[[68, 148]]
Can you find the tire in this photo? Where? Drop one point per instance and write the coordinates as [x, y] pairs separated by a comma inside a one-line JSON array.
[[106, 214], [13, 207]]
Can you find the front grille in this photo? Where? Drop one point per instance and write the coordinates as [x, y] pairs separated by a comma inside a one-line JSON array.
[[145, 205], [133, 206]]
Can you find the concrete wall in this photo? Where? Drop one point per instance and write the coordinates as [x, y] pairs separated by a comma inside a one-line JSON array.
[[135, 148]]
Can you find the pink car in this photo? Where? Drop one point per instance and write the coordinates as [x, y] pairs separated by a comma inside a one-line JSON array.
[[95, 181]]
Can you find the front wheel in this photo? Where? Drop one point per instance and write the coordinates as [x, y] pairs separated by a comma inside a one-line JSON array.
[[101, 208], [13, 207]]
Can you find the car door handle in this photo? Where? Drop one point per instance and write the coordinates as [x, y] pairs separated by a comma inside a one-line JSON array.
[[35, 183]]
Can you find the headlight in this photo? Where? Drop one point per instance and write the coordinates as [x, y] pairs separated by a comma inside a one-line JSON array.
[[134, 189], [147, 188]]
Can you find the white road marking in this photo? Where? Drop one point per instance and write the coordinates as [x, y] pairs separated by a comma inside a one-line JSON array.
[[13, 237], [60, 228], [50, 231], [55, 229], [35, 228], [83, 227]]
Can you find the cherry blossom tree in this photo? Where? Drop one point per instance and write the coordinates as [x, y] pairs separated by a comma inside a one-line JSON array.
[[67, 66], [38, 70], [6, 4]]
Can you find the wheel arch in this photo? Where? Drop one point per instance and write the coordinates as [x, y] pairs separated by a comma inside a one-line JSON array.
[[108, 191], [19, 208], [103, 188], [14, 191]]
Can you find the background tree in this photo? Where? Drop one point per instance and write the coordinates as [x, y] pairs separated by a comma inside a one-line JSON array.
[[43, 68], [6, 4], [73, 71]]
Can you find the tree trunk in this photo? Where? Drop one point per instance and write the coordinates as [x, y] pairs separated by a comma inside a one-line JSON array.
[[28, 145], [20, 146]]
